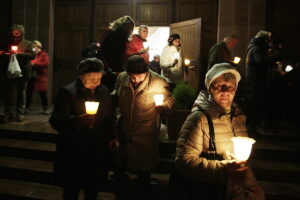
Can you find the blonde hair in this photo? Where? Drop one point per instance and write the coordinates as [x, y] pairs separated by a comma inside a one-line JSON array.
[[37, 43], [117, 24], [263, 33]]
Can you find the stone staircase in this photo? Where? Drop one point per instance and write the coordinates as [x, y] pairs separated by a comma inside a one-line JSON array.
[[26, 166]]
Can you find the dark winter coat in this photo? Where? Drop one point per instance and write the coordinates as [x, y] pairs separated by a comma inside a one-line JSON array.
[[219, 53], [135, 45], [81, 153], [258, 63], [140, 119], [24, 53], [40, 68], [192, 151], [113, 49]]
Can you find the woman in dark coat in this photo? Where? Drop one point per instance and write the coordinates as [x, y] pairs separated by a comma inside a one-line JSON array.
[[83, 139]]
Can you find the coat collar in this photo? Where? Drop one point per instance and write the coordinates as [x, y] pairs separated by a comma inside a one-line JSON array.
[[142, 86]]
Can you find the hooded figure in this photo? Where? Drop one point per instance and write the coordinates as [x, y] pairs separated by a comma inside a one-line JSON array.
[[205, 138], [22, 49]]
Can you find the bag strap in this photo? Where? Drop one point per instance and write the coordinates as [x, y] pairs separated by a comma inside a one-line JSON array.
[[212, 144]]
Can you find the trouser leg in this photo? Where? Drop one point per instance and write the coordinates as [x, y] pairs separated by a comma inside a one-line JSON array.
[[90, 194], [70, 193], [21, 94], [44, 99]]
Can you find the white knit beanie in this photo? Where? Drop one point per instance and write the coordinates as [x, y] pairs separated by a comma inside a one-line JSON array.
[[218, 70]]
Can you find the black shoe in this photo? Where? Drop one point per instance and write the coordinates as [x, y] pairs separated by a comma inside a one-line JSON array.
[[46, 112], [20, 117]]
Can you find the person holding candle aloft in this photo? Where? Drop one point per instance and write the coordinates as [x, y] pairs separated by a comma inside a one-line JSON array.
[[138, 44], [220, 52], [135, 90], [171, 61], [83, 139], [205, 138]]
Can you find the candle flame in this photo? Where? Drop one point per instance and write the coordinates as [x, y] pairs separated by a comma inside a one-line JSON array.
[[236, 60], [187, 61], [288, 68], [91, 107], [158, 99], [14, 48], [242, 147]]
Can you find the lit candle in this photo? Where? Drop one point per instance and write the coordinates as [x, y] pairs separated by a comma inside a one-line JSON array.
[[14, 48], [91, 107], [288, 68], [158, 99], [187, 61], [242, 147], [236, 60], [146, 45], [176, 55]]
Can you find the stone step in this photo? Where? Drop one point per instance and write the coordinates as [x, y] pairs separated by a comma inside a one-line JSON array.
[[281, 190], [23, 134]]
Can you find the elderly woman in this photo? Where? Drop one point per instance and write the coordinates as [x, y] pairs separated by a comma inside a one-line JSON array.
[[205, 138], [83, 139], [39, 79]]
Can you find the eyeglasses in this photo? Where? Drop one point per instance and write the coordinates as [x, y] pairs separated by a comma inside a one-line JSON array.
[[224, 88]]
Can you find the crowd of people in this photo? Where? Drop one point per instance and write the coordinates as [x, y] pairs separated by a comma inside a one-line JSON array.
[[123, 132]]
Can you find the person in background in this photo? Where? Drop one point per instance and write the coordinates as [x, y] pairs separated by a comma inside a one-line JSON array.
[[81, 155], [171, 61], [220, 52], [92, 51], [39, 79], [136, 44], [154, 64], [258, 64], [140, 117], [205, 139], [23, 54], [114, 43]]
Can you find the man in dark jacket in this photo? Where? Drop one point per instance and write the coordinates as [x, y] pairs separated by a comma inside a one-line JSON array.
[[220, 52], [135, 90], [83, 139], [23, 51], [258, 62]]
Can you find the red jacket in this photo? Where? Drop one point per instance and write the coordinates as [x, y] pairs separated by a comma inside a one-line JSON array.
[[135, 45], [40, 66]]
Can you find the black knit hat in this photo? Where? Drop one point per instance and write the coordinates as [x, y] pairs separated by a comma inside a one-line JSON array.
[[136, 65], [89, 65]]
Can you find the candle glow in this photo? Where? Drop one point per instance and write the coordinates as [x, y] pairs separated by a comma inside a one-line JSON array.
[[14, 48], [187, 61], [91, 107], [236, 60], [242, 147], [158, 99], [288, 68]]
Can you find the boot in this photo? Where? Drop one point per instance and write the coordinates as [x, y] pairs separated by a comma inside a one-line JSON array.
[[20, 117], [46, 112]]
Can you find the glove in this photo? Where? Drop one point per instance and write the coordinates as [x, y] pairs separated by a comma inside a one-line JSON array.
[[175, 62], [86, 121], [236, 171]]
